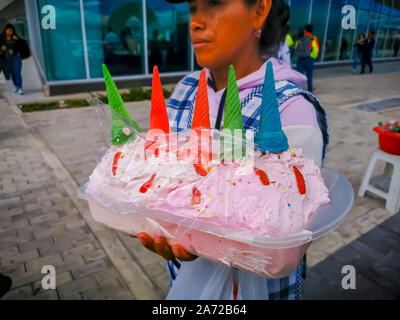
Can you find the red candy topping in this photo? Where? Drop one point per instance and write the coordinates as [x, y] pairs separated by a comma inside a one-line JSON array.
[[301, 184], [196, 196], [200, 170], [115, 162], [147, 184], [263, 176]]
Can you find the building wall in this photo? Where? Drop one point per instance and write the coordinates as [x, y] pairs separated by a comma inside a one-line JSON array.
[[131, 36]]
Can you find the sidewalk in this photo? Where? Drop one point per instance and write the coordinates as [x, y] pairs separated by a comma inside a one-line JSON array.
[[47, 155]]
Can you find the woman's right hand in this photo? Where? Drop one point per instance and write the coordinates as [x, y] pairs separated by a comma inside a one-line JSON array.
[[160, 246], [4, 48]]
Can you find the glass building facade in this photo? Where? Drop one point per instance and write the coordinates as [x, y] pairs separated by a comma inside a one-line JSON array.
[[131, 36]]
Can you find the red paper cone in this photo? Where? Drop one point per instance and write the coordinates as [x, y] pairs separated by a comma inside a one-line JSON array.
[[158, 114], [200, 122]]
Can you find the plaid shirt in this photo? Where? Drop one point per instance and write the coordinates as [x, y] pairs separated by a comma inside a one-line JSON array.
[[180, 111]]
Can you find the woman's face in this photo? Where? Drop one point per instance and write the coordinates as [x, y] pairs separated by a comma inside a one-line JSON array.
[[9, 32], [221, 30]]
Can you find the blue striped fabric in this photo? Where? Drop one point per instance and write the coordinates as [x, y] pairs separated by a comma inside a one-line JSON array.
[[180, 109]]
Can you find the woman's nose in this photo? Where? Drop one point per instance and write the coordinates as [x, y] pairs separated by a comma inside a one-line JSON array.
[[197, 22]]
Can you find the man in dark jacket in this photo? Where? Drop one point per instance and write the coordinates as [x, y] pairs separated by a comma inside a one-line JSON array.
[[369, 45]]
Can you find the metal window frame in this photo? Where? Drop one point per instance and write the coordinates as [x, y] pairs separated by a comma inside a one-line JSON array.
[[355, 31], [84, 40], [310, 11], [326, 30]]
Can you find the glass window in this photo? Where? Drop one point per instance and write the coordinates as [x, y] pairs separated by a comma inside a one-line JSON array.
[[318, 20], [63, 46], [365, 4], [114, 33], [299, 10], [333, 34], [168, 36], [396, 8]]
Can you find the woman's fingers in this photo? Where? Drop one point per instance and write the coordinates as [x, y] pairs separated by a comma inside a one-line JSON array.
[[182, 254], [162, 247], [147, 241]]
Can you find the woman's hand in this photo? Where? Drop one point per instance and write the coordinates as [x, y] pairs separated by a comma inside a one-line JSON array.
[[160, 246], [4, 48], [15, 37]]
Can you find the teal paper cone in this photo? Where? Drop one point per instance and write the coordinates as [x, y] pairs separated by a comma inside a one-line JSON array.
[[270, 136]]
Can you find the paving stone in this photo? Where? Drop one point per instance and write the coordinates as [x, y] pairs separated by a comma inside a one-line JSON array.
[[80, 250], [49, 231], [9, 252], [60, 246], [19, 293], [38, 263], [76, 286], [94, 255], [87, 269], [107, 288], [36, 244], [106, 274], [123, 295], [46, 295], [44, 217], [19, 258]]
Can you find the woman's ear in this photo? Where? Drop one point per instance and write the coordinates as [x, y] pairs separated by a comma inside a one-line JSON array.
[[261, 12]]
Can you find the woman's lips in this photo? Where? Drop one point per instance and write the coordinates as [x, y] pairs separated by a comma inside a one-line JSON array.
[[200, 43]]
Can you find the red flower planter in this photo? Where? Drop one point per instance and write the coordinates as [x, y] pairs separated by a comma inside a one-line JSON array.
[[389, 141]]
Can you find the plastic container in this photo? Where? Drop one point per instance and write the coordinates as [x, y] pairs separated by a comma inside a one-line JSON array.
[[269, 257], [389, 141]]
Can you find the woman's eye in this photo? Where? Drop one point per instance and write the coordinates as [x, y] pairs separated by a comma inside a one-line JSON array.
[[213, 3]]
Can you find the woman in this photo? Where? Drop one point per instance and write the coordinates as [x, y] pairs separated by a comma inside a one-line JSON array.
[[224, 33], [11, 46], [359, 52]]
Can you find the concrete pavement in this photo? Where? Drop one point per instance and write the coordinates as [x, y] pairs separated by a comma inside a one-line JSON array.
[[46, 155]]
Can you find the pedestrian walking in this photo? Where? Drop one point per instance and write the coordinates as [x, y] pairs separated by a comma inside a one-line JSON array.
[[367, 53], [396, 47], [307, 49], [358, 52], [13, 49]]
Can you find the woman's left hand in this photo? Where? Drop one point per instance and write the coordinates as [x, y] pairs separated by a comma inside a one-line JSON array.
[[15, 37], [160, 246]]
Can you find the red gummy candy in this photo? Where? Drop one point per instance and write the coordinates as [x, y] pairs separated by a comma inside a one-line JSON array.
[[115, 162], [147, 184], [301, 184], [196, 196], [200, 170], [263, 176]]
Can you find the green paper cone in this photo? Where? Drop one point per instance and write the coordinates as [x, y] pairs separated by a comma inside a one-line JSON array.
[[233, 112], [119, 113]]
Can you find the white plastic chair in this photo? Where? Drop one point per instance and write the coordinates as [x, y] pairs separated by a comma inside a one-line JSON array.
[[392, 197]]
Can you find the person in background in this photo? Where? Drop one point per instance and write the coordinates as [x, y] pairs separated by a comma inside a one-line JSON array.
[[396, 47], [284, 51], [5, 284], [359, 51], [367, 52], [307, 49], [13, 46]]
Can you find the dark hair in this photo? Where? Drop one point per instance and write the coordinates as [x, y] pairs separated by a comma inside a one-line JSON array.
[[276, 25], [309, 28], [9, 26]]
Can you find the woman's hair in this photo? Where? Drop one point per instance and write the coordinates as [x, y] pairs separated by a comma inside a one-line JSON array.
[[361, 35], [276, 25]]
